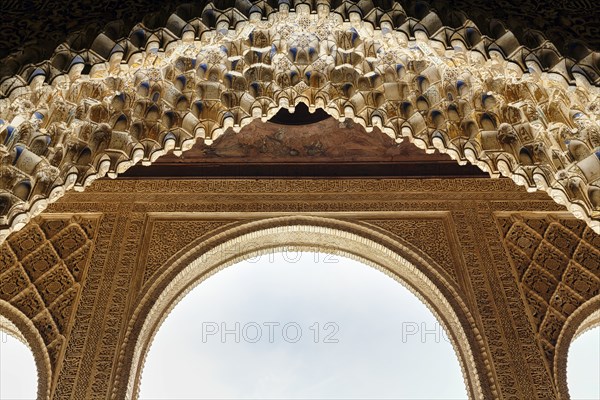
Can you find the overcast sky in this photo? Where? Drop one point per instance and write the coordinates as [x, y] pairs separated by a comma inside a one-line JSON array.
[[583, 366], [359, 354], [18, 375], [352, 332]]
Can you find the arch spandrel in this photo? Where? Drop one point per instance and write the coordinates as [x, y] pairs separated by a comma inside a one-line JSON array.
[[42, 270], [556, 262], [195, 263], [416, 81]]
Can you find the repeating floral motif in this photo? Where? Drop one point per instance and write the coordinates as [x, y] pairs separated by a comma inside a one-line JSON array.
[[168, 236], [428, 235]]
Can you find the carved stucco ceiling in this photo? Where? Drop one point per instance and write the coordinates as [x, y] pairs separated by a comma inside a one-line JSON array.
[[32, 29], [488, 100]]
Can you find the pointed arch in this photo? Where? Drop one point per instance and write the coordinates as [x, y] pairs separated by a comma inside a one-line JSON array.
[[585, 317]]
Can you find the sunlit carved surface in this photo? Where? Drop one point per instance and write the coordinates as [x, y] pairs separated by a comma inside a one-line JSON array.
[[559, 35], [475, 106]]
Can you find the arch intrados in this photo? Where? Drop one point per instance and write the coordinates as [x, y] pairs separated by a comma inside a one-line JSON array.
[[586, 317], [307, 234], [25, 331]]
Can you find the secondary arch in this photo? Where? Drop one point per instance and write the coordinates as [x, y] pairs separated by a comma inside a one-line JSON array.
[[586, 317], [317, 325], [17, 324]]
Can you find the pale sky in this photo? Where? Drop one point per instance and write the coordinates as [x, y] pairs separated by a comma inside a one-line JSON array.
[[583, 366], [369, 360], [18, 375], [381, 342]]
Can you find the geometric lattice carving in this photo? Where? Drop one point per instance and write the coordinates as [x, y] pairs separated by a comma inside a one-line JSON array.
[[41, 268], [169, 236], [97, 111], [428, 235], [557, 263]]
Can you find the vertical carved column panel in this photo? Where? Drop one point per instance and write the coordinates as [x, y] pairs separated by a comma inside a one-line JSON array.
[[90, 363], [518, 365], [501, 367], [522, 338], [116, 315], [88, 322], [82, 335]]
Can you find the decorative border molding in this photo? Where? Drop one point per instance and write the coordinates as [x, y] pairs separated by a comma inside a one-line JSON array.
[[585, 317]]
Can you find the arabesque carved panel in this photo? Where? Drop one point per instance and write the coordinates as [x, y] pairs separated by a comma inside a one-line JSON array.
[[41, 271], [557, 263]]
